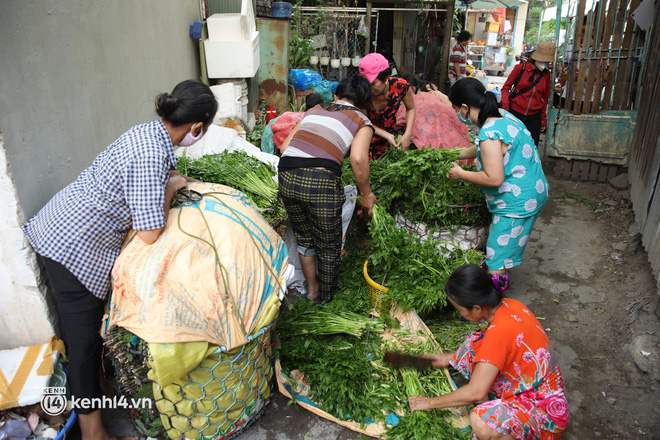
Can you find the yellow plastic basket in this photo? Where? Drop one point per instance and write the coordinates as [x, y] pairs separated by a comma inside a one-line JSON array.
[[376, 293]]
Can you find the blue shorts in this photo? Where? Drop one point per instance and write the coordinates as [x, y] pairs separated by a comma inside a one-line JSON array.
[[507, 239]]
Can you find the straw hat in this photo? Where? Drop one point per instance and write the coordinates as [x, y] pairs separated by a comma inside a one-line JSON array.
[[545, 52]]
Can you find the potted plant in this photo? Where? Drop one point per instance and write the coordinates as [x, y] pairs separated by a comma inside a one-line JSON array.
[[300, 52]]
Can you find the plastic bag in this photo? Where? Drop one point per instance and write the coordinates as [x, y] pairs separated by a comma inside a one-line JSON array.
[[304, 79], [362, 28], [326, 89]]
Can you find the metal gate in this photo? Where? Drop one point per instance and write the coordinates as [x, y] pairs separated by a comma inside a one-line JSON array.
[[644, 168], [601, 68]]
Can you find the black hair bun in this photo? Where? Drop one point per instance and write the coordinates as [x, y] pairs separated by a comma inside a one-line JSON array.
[[166, 104]]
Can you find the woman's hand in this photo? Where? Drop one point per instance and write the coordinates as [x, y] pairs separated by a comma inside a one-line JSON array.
[[175, 183], [389, 137], [420, 403], [440, 360], [188, 179], [455, 172], [404, 141], [368, 201]]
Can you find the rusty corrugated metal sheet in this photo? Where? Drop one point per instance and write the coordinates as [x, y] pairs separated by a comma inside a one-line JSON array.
[[644, 168]]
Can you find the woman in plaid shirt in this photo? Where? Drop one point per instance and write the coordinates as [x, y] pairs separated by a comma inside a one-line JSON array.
[[79, 233]]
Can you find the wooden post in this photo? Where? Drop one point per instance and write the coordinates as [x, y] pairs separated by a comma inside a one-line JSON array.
[[368, 23], [446, 46]]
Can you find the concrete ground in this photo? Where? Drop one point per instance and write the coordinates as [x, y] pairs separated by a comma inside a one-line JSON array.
[[580, 275]]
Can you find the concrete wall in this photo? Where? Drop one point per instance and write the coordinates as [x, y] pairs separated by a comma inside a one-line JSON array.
[[75, 76], [519, 34]]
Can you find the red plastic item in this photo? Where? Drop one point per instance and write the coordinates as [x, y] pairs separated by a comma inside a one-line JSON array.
[[271, 113]]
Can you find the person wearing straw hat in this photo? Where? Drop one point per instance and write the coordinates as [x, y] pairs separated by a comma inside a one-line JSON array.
[[527, 89]]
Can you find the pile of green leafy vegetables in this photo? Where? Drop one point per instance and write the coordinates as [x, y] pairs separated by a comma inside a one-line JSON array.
[[240, 171], [254, 136], [416, 184], [347, 377], [413, 268]]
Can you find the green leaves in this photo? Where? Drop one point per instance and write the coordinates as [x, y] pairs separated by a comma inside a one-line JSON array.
[[300, 50], [416, 184], [346, 374], [414, 269], [240, 171]]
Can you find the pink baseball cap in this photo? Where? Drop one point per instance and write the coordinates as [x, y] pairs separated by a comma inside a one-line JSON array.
[[371, 66]]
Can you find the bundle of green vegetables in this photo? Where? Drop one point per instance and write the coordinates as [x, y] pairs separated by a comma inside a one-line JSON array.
[[318, 321], [425, 425], [240, 171], [337, 368], [413, 268], [130, 359], [348, 379], [254, 136], [416, 184]]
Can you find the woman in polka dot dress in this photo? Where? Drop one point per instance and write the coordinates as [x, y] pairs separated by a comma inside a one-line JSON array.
[[509, 173]]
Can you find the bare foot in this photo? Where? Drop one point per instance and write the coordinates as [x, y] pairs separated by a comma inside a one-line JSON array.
[[91, 428]]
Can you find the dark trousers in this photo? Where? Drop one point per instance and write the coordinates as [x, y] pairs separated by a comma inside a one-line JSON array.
[[313, 199], [80, 315], [533, 124]]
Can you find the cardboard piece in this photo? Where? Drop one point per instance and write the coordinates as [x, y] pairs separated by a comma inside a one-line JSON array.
[[25, 371]]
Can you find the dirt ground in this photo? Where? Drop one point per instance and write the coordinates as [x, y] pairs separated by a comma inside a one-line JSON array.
[[586, 276], [600, 311]]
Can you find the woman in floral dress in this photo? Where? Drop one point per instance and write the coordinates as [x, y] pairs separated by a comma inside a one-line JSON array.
[[509, 172], [513, 371], [387, 95]]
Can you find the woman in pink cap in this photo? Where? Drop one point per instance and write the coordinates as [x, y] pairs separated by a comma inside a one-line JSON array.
[[387, 95]]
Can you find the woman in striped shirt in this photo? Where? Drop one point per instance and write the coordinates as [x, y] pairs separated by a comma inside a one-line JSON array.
[[310, 180]]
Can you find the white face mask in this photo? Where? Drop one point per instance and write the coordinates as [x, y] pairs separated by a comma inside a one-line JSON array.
[[190, 139], [541, 65]]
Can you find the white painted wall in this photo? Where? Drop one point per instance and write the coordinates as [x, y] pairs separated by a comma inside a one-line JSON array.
[[23, 313], [74, 76], [519, 35]]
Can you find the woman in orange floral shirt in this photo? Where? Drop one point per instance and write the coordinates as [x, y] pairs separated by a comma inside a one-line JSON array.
[[511, 366]]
